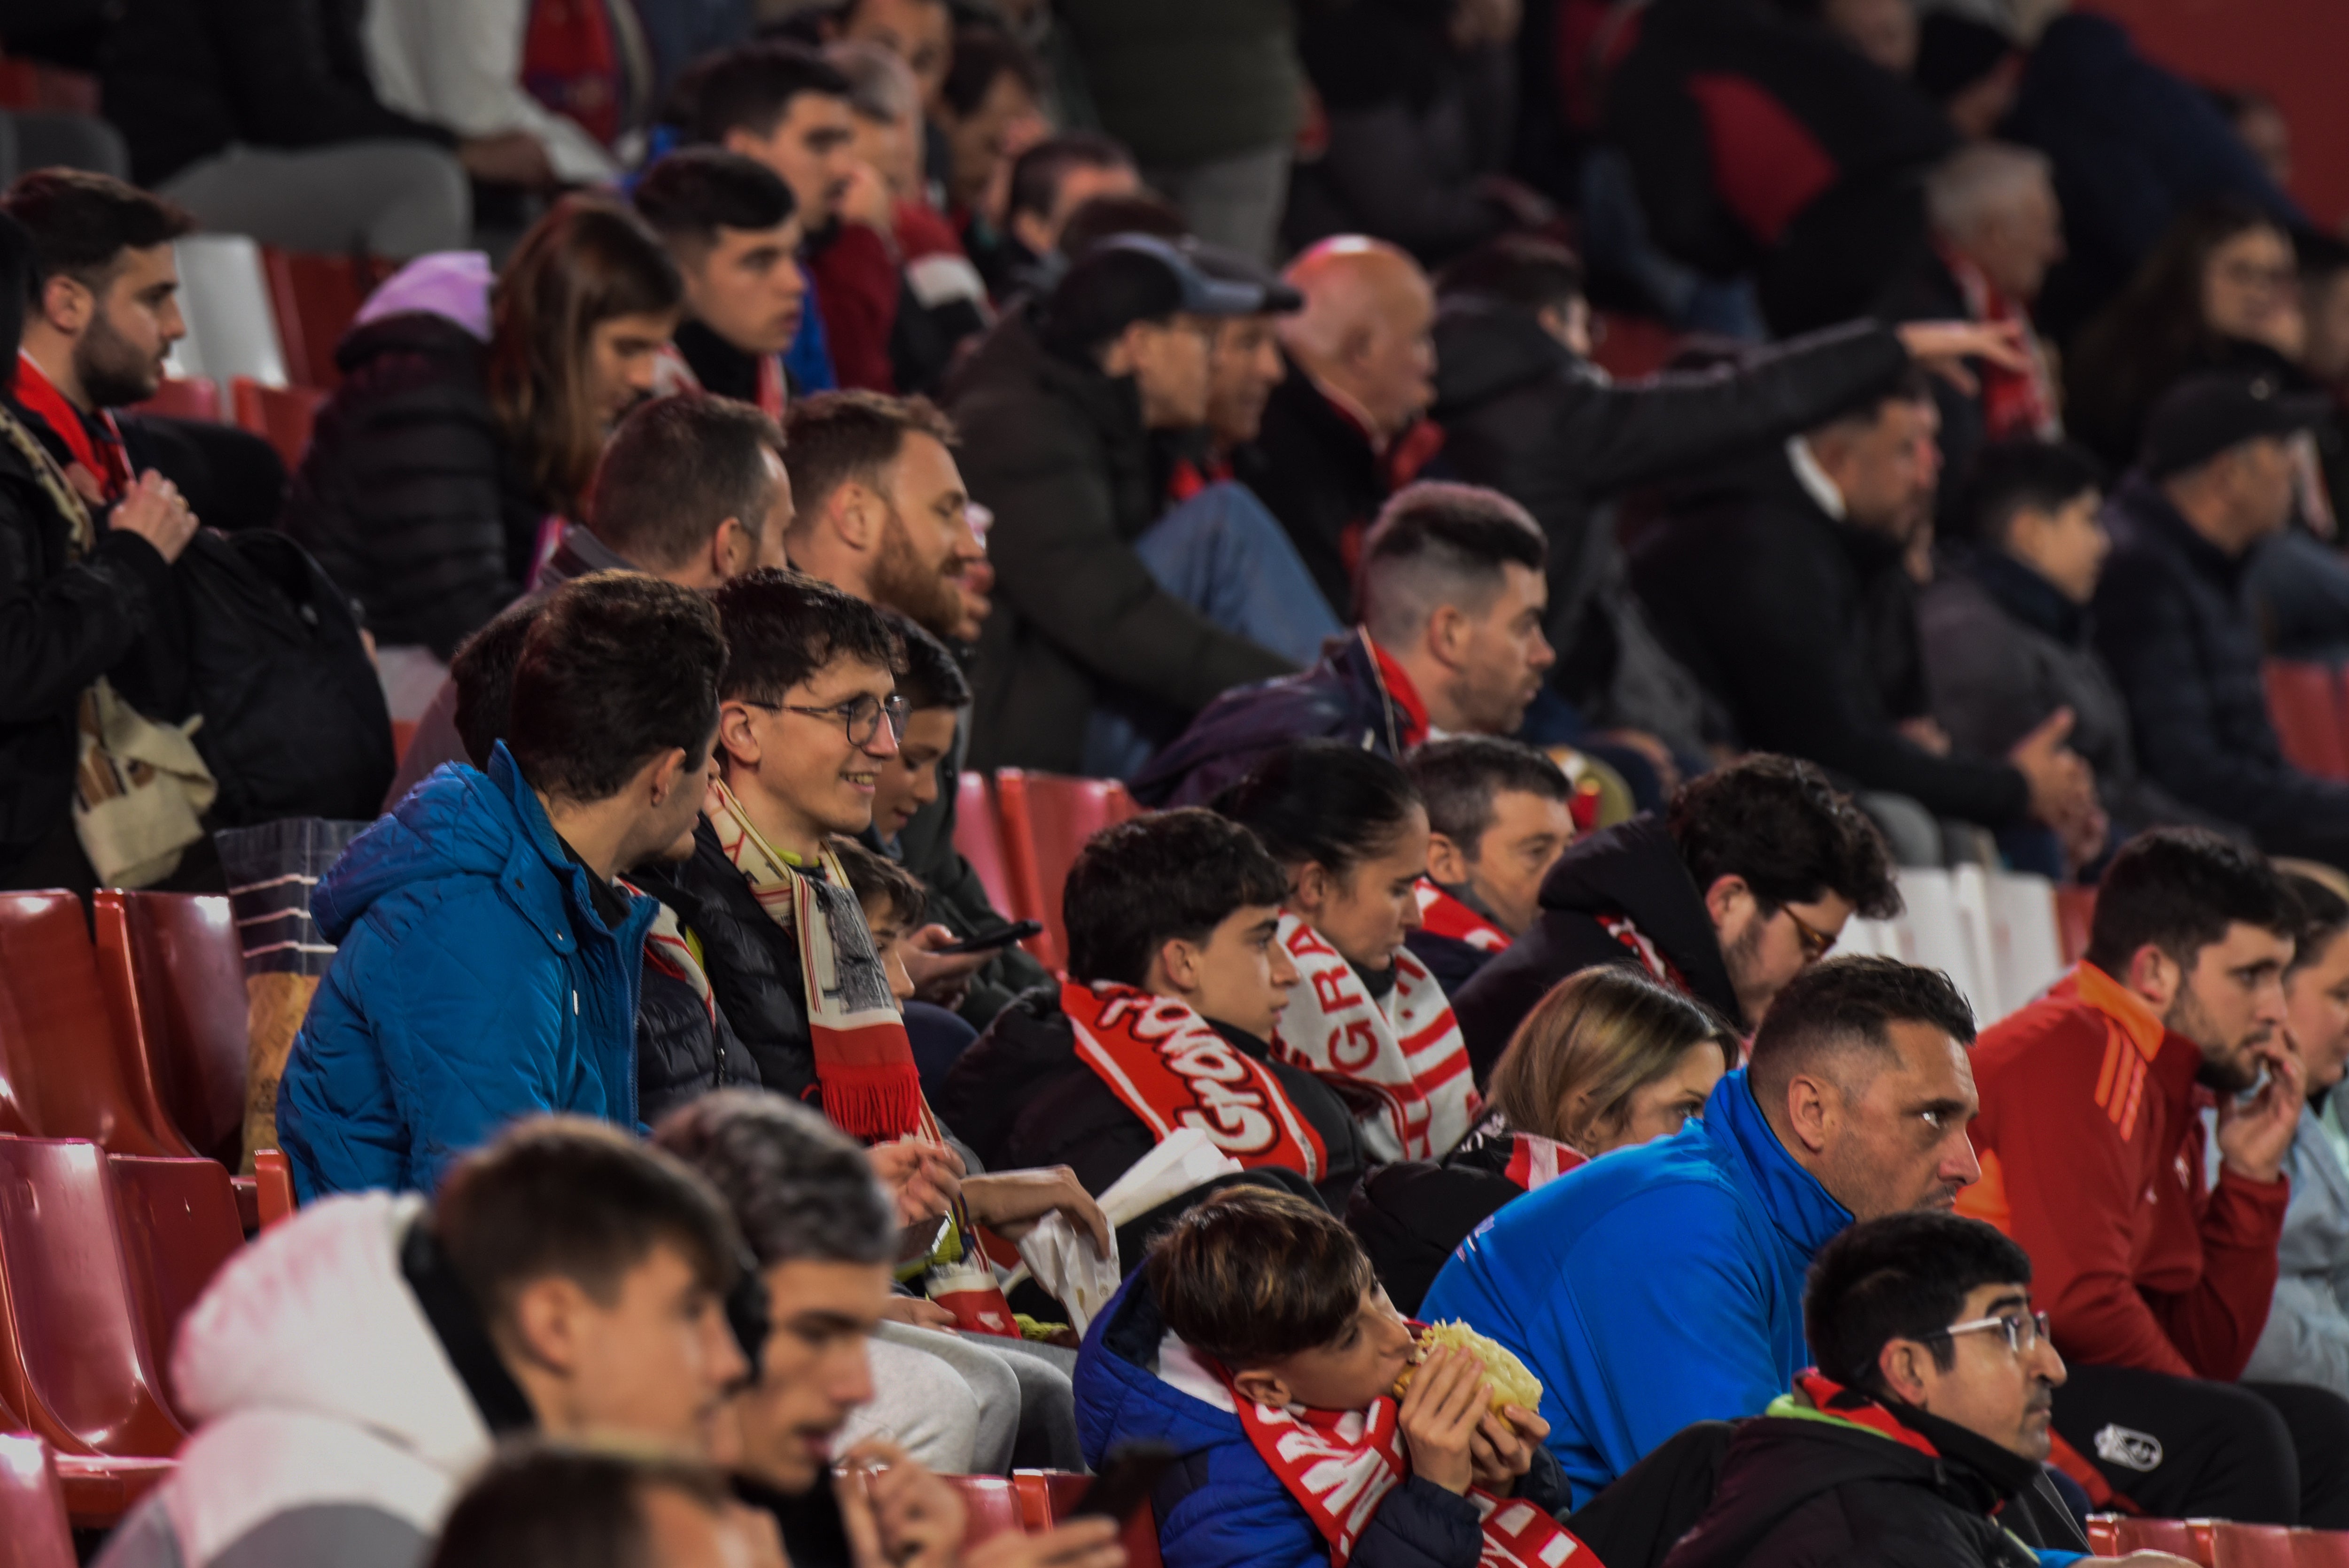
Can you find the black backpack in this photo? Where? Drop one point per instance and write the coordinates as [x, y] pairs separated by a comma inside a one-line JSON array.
[[294, 722]]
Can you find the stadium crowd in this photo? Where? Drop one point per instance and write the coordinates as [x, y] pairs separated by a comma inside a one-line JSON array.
[[771, 414]]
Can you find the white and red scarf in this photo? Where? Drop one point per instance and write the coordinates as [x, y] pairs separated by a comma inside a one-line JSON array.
[[1405, 1047], [2015, 403], [1526, 1159], [1442, 914], [1170, 1068], [1651, 957], [1339, 1465]]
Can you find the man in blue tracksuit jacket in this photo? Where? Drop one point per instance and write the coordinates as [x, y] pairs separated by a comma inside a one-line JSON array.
[[1662, 1285], [487, 964]]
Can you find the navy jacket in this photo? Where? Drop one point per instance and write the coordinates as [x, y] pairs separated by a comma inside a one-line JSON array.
[[475, 983], [1339, 699], [1653, 1287]]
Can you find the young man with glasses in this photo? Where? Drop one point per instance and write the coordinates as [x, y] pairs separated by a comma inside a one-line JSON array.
[[1921, 1435]]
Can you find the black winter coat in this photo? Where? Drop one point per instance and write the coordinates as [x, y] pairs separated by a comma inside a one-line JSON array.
[[1409, 1216], [184, 79], [685, 1046], [1020, 1097], [1313, 469], [1805, 627], [753, 967], [1339, 699], [409, 495], [1633, 869], [1059, 451]]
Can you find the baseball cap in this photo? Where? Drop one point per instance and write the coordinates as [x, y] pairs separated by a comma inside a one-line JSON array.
[[1127, 278], [2204, 414]]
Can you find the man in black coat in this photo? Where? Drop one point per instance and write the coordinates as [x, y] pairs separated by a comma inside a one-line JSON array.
[[1745, 882], [1920, 1439]]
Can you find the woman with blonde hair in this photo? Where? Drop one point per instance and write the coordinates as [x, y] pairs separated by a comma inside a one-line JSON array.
[[1608, 1060]]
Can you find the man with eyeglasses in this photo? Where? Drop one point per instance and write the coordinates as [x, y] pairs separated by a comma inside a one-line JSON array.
[[1920, 1437], [2155, 1224]]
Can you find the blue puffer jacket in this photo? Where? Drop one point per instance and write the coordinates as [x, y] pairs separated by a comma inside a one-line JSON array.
[[1652, 1289], [475, 983], [1220, 1505]]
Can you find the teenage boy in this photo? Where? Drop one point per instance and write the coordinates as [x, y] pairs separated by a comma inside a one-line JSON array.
[[1499, 819], [1257, 1344], [1175, 983], [732, 225]]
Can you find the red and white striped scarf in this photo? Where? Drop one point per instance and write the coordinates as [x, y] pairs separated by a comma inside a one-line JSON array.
[[1442, 914], [1405, 1047]]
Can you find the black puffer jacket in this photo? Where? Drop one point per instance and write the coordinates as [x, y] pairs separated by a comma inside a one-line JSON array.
[[409, 496], [753, 967], [1020, 1097], [685, 1047], [1411, 1215], [1633, 869]]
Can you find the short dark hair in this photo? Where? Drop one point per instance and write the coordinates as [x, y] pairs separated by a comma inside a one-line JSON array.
[[833, 438], [749, 88], [1914, 384], [81, 223], [874, 878], [1098, 217], [483, 675], [801, 1190], [1778, 823], [2179, 888], [1323, 802], [546, 1505], [1900, 1277], [932, 677], [782, 627], [695, 191], [1174, 876], [1848, 1002], [1249, 1275], [1436, 544], [2012, 477], [676, 469], [982, 53], [564, 1195], [2319, 915], [619, 668], [1459, 778], [1529, 272], [1037, 173]]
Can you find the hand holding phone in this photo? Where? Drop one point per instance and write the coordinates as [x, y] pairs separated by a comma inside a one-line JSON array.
[[994, 941]]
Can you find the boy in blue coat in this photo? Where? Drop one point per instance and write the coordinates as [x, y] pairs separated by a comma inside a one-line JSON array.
[[488, 964], [1258, 1345]]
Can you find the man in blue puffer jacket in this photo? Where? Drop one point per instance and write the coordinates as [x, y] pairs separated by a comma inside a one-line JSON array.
[[488, 965], [1662, 1285]]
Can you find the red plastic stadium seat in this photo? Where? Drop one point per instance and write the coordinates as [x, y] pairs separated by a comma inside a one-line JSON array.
[[59, 1056], [282, 416], [74, 1355], [188, 399], [174, 975], [2303, 701], [2174, 1536], [1011, 812], [2228, 1545], [1053, 816], [274, 1179], [179, 1225], [991, 1503], [1047, 1496], [2320, 1548], [315, 299], [979, 837], [32, 1528], [2105, 1535]]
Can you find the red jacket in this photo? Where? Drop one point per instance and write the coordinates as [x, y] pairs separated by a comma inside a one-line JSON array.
[[857, 291], [2092, 1155]]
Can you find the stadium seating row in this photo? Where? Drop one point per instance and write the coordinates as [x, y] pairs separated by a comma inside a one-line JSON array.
[[2215, 1543]]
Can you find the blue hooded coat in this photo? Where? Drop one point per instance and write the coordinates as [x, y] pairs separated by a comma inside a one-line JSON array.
[[474, 984], [1655, 1287]]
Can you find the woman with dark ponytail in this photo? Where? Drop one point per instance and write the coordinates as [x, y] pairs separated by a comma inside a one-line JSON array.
[[1351, 834]]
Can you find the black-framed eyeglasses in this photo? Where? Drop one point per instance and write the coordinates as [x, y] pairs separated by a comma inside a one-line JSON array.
[[2023, 1330], [1817, 944], [860, 716]]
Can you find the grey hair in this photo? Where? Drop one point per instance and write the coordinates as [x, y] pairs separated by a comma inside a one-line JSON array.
[[1965, 186], [880, 85], [801, 1190]]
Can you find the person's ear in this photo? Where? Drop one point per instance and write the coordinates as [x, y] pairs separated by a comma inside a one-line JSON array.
[[1124, 355], [1725, 899], [1031, 230], [1449, 630], [1263, 1387], [1178, 962], [669, 774], [1311, 887], [733, 550], [736, 738], [548, 1322], [1447, 862], [2155, 975], [855, 512], [67, 305], [1901, 1364], [1812, 1107]]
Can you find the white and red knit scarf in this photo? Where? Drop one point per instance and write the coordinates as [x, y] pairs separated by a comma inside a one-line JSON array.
[[1405, 1047], [2015, 403], [1442, 914], [1526, 1159], [1170, 1068]]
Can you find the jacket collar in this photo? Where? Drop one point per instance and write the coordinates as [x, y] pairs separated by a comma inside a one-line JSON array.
[[2029, 598], [1635, 869], [1990, 1475], [2151, 507], [542, 882], [580, 554], [1805, 1214], [2174, 1061]]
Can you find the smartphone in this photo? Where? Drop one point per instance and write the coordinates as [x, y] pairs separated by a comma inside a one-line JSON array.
[[1017, 931], [1125, 1482]]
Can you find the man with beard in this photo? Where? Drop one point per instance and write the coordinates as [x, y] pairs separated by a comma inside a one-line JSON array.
[[2095, 1153]]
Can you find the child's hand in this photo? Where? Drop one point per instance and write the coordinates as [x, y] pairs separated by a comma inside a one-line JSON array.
[[1441, 1411], [1503, 1447]]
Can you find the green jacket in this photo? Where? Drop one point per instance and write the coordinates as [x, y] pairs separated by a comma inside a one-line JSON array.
[[1190, 81]]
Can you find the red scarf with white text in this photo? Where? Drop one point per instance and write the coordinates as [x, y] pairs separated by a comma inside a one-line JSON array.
[[1171, 1069], [1405, 1047], [1442, 914]]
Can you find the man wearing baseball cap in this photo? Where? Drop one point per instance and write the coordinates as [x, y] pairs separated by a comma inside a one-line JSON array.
[[2215, 480], [1065, 410]]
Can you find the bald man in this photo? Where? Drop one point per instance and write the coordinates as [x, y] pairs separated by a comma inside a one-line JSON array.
[[1346, 429]]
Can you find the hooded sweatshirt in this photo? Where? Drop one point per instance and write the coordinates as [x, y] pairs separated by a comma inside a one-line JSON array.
[[335, 1427]]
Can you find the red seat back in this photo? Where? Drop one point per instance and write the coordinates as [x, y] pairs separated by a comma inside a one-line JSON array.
[[189, 397], [1012, 810], [1057, 815], [1046, 1497], [2174, 1536], [179, 1225], [315, 299], [32, 1528], [175, 972], [1629, 347], [73, 1356], [979, 837], [64, 1061], [282, 416], [273, 1179], [989, 1504], [2230, 1545], [2105, 1535], [2320, 1548], [2303, 701]]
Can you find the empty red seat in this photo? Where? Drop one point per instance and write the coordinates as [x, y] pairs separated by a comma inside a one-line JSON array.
[[274, 1179], [174, 972], [73, 1356], [2174, 1536], [2305, 702], [315, 299], [980, 839], [989, 1505], [282, 416], [64, 1070], [32, 1528], [179, 1225], [1050, 821], [2105, 1535], [1046, 1497], [2320, 1548], [189, 397], [2230, 1545]]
